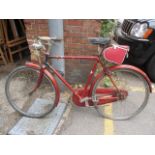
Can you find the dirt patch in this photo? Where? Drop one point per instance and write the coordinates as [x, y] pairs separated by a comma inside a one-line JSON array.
[[8, 116]]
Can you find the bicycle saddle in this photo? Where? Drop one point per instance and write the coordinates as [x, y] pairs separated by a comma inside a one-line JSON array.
[[100, 41]]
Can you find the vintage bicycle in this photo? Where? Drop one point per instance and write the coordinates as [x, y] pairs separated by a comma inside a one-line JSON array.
[[125, 87]]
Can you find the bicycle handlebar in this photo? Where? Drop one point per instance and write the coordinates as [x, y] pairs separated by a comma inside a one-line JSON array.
[[41, 42], [46, 38]]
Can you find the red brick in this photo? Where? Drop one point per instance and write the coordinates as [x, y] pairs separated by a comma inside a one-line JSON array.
[[29, 21], [42, 21], [67, 40], [76, 33], [43, 26], [72, 34], [43, 32], [75, 22], [74, 45], [80, 40], [29, 27]]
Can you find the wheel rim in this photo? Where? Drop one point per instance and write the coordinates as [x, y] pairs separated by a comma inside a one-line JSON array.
[[138, 93], [19, 85]]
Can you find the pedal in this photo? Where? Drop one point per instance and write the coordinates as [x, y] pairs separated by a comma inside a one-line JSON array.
[[85, 100]]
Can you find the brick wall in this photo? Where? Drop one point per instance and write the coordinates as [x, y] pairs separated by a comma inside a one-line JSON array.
[[35, 27], [76, 33]]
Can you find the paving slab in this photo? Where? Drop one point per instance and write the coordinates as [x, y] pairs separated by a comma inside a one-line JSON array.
[[39, 126], [85, 121]]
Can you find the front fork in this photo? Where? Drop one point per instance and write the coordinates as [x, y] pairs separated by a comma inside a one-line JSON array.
[[39, 80]]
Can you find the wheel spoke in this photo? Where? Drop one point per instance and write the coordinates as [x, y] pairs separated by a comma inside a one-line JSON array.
[[19, 86], [128, 83]]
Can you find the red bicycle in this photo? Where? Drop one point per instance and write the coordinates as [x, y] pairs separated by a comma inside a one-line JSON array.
[[125, 87]]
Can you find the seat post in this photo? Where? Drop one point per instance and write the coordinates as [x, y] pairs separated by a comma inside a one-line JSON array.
[[99, 49]]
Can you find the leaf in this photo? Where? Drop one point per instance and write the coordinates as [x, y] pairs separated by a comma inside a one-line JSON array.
[[107, 27]]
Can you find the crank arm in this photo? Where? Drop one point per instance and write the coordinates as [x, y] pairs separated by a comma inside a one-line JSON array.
[[85, 99]]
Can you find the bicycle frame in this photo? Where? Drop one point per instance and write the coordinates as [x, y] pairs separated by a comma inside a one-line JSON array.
[[78, 94], [82, 96], [92, 72]]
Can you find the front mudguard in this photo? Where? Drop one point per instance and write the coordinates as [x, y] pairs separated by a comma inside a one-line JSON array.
[[49, 75], [137, 70]]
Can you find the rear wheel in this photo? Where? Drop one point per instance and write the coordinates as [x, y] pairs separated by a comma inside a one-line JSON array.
[[19, 86], [136, 99]]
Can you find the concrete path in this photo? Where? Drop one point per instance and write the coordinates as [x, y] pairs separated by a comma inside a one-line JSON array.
[[42, 126], [85, 121]]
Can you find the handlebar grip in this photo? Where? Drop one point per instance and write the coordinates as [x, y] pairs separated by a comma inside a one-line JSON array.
[[44, 38], [47, 38]]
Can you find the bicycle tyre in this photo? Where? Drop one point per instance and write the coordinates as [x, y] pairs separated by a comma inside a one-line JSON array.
[[20, 82], [115, 111]]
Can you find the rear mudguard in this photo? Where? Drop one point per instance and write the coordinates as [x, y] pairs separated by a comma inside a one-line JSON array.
[[139, 71], [48, 74]]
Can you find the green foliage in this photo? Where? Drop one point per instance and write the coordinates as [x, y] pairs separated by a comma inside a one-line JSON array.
[[107, 27], [107, 82]]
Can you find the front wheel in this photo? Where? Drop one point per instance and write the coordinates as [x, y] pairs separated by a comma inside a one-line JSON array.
[[24, 98], [129, 81]]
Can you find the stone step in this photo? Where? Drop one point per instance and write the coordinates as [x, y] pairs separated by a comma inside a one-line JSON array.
[[39, 126]]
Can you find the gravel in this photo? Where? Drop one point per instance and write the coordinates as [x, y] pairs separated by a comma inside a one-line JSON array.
[[8, 117]]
